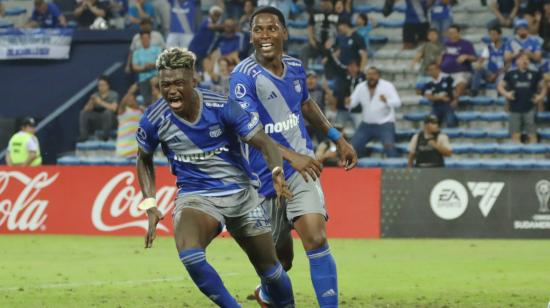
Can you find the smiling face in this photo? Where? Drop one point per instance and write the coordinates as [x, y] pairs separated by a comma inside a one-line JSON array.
[[267, 37], [177, 88]]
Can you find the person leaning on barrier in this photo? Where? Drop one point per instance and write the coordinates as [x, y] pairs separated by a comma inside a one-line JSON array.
[[23, 148], [429, 146]]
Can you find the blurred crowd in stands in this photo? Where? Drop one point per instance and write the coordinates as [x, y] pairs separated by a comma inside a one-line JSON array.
[[336, 56]]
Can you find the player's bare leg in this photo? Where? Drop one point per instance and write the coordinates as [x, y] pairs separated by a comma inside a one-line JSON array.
[[193, 231], [261, 253]]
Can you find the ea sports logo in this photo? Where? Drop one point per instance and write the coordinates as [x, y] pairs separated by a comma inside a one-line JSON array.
[[449, 199]]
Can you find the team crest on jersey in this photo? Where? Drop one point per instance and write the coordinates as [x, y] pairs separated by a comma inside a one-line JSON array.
[[244, 105], [141, 134], [297, 86], [215, 131], [240, 90]]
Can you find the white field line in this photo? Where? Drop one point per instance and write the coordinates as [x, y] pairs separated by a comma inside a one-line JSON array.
[[101, 283]]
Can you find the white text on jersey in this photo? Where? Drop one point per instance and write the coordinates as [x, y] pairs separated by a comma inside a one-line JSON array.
[[282, 126], [185, 158]]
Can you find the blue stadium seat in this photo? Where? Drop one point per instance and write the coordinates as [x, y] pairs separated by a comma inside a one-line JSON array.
[[467, 116], [542, 164], [399, 8], [494, 163], [68, 160], [367, 8], [416, 116], [475, 133], [543, 116], [453, 132], [509, 148], [107, 146], [499, 133], [462, 148], [405, 134], [15, 11], [91, 145], [93, 161], [300, 24], [451, 163], [424, 102], [485, 148], [293, 38], [544, 133], [378, 39], [119, 161], [5, 24], [500, 101], [393, 163], [537, 148], [481, 100], [391, 23], [402, 147], [464, 99], [494, 116], [160, 161], [376, 148], [468, 163], [368, 162], [522, 163]]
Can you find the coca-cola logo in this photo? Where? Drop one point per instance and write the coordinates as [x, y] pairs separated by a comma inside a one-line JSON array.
[[120, 198], [26, 212]]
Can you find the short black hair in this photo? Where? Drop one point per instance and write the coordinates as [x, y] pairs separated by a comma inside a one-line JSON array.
[[496, 28], [456, 27], [143, 32], [268, 10], [104, 78]]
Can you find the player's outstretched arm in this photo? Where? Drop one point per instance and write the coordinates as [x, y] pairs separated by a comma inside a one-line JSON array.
[[274, 160], [146, 177], [315, 117]]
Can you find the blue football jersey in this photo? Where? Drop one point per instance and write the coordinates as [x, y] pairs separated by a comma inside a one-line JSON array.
[[278, 102], [208, 156]]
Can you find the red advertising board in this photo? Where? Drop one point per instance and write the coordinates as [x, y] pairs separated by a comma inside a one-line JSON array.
[[101, 200]]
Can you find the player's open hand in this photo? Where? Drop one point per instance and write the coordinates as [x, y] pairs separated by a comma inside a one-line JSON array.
[[306, 166], [154, 216], [279, 183], [346, 153]]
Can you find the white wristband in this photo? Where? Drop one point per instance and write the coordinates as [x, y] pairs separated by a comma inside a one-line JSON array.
[[277, 169], [147, 204]]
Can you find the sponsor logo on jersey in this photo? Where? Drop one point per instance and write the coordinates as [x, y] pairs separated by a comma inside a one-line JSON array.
[[186, 158], [293, 63], [141, 134], [278, 127], [240, 90]]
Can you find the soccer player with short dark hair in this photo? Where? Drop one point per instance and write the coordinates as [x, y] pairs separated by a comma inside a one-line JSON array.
[[273, 86], [201, 134]]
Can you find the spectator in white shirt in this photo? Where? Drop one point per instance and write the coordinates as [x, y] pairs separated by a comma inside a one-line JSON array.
[[378, 99]]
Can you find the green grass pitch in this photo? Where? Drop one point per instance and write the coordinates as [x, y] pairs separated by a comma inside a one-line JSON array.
[[81, 271]]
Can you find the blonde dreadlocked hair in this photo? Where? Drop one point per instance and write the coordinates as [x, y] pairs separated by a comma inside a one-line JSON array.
[[175, 58]]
